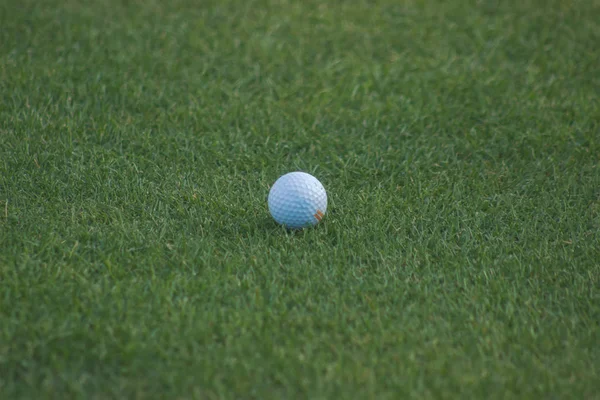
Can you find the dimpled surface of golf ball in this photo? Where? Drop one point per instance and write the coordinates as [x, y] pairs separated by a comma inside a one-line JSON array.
[[297, 200]]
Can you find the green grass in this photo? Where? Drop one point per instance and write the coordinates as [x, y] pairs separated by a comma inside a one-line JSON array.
[[459, 142]]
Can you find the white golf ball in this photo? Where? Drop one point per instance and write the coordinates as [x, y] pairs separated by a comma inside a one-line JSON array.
[[297, 200]]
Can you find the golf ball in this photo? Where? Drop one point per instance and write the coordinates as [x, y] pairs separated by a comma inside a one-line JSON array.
[[297, 200]]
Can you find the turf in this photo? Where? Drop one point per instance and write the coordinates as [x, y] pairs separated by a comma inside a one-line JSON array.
[[459, 142]]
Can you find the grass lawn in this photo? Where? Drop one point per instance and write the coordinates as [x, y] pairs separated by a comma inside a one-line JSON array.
[[459, 142]]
